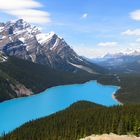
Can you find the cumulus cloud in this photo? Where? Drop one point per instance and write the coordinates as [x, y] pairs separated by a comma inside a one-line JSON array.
[[107, 44], [96, 52], [25, 9], [85, 15], [129, 32], [135, 15], [89, 52]]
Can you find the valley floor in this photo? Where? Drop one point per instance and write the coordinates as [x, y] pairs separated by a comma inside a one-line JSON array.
[[111, 137]]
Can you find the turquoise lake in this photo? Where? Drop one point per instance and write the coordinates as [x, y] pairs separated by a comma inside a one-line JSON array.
[[15, 112]]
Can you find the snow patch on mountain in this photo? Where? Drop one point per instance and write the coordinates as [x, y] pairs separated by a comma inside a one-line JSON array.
[[3, 58], [22, 40], [1, 29], [44, 38], [127, 52], [89, 70]]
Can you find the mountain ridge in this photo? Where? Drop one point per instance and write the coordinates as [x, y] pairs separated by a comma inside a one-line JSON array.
[[18, 75], [120, 62], [22, 40]]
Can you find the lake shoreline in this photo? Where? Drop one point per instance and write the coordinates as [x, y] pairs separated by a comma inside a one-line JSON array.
[[52, 100], [114, 97]]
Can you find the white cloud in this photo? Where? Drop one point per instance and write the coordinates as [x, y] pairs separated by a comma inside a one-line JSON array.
[[89, 52], [107, 44], [134, 45], [95, 52], [85, 15], [18, 4], [135, 32], [135, 15], [25, 9], [138, 40]]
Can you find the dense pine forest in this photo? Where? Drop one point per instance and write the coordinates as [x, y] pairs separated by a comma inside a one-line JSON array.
[[129, 83], [79, 120]]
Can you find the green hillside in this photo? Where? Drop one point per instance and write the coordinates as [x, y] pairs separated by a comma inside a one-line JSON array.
[[80, 120], [129, 86]]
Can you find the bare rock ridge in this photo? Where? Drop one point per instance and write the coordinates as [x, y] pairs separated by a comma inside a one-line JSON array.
[[20, 39]]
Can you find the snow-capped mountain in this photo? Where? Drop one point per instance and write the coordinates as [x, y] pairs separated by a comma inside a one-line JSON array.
[[20, 39], [127, 61], [127, 52]]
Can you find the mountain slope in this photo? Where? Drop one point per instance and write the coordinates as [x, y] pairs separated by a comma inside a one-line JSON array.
[[20, 39], [3, 58], [121, 62], [21, 78], [130, 67], [10, 87]]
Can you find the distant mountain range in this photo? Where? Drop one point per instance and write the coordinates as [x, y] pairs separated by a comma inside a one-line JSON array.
[[126, 62], [20, 39]]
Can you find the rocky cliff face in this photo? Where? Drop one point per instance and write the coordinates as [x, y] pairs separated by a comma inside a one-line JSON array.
[[20, 39]]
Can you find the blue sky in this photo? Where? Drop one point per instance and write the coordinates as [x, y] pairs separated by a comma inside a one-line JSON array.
[[91, 27]]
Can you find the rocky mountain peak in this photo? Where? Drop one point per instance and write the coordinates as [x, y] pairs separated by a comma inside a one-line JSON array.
[[45, 38], [20, 39], [127, 52], [18, 24]]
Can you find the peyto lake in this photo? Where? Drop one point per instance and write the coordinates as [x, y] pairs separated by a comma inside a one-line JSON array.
[[15, 112]]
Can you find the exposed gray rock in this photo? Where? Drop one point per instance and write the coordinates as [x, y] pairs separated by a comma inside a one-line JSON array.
[[20, 39]]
